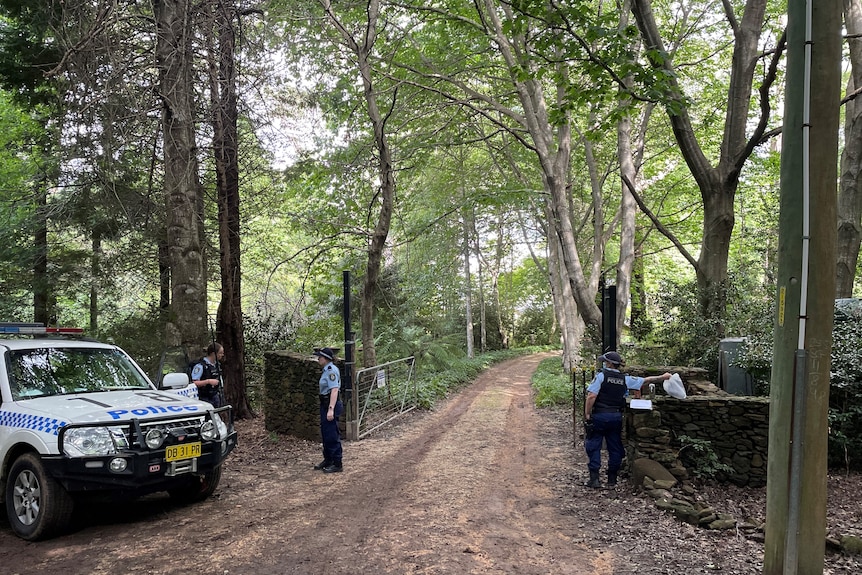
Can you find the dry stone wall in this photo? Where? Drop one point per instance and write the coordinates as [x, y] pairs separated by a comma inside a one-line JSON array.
[[291, 398], [737, 429]]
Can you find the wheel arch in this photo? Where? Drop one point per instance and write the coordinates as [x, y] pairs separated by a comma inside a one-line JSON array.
[[12, 454]]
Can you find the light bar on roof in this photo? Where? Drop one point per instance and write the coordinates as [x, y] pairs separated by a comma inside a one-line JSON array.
[[37, 330]]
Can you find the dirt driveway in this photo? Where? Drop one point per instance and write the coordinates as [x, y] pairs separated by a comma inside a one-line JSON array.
[[483, 484]]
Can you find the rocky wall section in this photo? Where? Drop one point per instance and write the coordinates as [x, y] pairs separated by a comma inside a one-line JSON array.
[[737, 429], [291, 398]]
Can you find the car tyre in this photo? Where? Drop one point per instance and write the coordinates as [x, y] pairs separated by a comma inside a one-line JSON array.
[[197, 488], [37, 506]]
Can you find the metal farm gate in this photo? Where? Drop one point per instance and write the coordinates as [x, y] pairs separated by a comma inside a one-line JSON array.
[[382, 393]]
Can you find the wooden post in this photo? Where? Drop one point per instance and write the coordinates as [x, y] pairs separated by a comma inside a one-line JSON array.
[[799, 392]]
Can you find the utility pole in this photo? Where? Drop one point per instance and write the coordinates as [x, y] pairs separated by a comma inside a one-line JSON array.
[[799, 392]]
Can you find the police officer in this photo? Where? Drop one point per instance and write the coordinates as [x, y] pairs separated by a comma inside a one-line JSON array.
[[330, 410], [206, 375], [603, 414]]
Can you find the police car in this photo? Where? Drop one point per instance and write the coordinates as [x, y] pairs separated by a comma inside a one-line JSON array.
[[81, 417]]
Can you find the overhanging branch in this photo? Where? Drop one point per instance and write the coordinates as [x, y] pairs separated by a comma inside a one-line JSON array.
[[659, 226]]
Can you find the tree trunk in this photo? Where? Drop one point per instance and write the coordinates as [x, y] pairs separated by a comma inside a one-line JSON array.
[[483, 330], [468, 284], [718, 222], [628, 209], [41, 284], [229, 322], [362, 50], [640, 323], [628, 206], [850, 182], [600, 235], [164, 277], [495, 287], [187, 324], [564, 303], [95, 272]]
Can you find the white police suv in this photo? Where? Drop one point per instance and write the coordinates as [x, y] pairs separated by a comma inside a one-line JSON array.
[[81, 417]]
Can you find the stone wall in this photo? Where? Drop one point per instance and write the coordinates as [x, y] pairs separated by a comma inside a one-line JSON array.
[[291, 394], [736, 427]]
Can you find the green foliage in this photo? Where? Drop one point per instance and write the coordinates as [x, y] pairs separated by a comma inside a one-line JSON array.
[[687, 337], [28, 48], [845, 389], [698, 457], [141, 335], [264, 332], [552, 385], [845, 381], [535, 325], [396, 341]]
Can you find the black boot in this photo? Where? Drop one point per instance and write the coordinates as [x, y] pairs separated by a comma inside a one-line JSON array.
[[323, 464], [334, 467], [612, 478], [594, 480]]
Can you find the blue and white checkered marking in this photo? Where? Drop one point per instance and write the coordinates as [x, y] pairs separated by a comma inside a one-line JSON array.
[[50, 425], [190, 392]]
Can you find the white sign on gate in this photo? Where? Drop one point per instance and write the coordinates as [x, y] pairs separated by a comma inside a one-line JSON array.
[[381, 378]]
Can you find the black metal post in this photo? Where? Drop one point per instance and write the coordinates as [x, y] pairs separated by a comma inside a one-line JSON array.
[[347, 376], [609, 318]]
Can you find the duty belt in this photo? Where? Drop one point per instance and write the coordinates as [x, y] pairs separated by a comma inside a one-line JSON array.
[[324, 398], [607, 410]]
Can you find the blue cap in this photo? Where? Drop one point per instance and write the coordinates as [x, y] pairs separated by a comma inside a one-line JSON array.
[[611, 357], [326, 352]]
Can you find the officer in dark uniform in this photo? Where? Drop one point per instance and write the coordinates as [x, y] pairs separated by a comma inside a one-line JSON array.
[[603, 414], [330, 410], [206, 375]]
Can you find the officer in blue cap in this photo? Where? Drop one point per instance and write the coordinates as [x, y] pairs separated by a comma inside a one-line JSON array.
[[330, 410], [603, 414]]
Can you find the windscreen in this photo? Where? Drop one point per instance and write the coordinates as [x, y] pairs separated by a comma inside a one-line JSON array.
[[59, 371]]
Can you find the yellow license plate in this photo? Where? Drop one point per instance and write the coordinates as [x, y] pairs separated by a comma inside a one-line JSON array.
[[183, 451]]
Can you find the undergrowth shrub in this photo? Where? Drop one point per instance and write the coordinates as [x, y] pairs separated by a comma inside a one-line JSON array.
[[698, 457], [845, 381], [552, 385], [686, 337]]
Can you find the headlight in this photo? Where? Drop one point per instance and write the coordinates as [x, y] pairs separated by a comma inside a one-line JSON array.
[[214, 429], [209, 431], [155, 437], [84, 441]]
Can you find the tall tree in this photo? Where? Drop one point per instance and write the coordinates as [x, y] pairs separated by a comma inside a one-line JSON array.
[[630, 151], [850, 183], [223, 96], [467, 220], [718, 182], [361, 47], [537, 118], [187, 325], [28, 49]]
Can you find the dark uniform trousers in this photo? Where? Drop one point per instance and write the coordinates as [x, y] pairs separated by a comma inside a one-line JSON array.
[[329, 431], [607, 426]]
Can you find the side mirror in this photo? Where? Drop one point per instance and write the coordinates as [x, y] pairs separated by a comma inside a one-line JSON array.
[[175, 381]]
